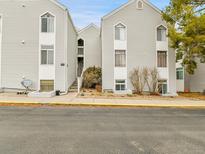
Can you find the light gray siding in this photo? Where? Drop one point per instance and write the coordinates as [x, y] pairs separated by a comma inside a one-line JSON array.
[[22, 23], [72, 54], [141, 42], [172, 70], [186, 82], [197, 81], [92, 47]]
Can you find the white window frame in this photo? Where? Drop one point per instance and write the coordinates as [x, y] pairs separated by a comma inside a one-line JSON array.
[[41, 17], [125, 59], [47, 51], [181, 69], [120, 84], [81, 47], [165, 34], [166, 59], [165, 82], [83, 42], [125, 32]]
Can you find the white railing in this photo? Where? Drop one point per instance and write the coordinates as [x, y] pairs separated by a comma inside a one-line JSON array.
[[80, 81]]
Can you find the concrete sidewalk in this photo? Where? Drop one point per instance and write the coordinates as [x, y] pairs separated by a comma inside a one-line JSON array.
[[71, 99]]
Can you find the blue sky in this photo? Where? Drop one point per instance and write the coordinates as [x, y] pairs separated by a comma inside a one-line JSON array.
[[84, 12]]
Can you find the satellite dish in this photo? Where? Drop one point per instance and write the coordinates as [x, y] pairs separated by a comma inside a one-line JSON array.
[[26, 83]]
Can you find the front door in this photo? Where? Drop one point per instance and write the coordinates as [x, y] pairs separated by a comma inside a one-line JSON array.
[[80, 65]]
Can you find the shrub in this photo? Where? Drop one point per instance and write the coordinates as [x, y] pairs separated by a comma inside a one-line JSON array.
[[144, 77], [154, 80], [92, 77], [138, 79]]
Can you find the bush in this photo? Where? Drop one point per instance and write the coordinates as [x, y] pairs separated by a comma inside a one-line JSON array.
[[136, 80], [154, 80], [144, 77], [92, 77]]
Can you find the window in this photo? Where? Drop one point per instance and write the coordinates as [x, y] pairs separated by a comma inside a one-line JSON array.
[[120, 58], [180, 74], [47, 85], [161, 58], [80, 51], [120, 85], [80, 42], [120, 32], [47, 54], [47, 23], [162, 86], [161, 33], [80, 47], [139, 4]]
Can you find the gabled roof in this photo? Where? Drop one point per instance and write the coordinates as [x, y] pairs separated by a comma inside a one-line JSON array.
[[128, 3], [56, 2], [59, 4], [87, 27]]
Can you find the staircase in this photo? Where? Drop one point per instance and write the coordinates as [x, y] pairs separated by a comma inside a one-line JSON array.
[[74, 87]]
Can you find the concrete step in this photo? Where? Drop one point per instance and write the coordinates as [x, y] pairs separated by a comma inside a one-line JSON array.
[[74, 87], [72, 90]]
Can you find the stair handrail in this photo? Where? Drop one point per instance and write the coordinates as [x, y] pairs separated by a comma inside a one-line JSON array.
[[80, 81]]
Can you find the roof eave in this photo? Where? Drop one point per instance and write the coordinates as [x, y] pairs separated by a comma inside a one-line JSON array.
[[128, 3]]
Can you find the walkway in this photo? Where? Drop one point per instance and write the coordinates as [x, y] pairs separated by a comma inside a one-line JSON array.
[[73, 100]]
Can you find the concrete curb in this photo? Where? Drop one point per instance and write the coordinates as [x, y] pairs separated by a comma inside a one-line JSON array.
[[77, 104]]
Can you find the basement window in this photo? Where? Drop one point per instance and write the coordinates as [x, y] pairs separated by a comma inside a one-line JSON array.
[[162, 86], [120, 85], [47, 85]]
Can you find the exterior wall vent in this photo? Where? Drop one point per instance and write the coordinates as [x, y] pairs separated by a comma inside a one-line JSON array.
[[139, 4]]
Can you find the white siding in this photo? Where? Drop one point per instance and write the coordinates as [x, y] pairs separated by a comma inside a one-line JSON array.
[[141, 43], [22, 60], [92, 46]]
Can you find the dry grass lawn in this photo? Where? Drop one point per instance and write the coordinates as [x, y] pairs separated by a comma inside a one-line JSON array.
[[92, 93], [199, 96]]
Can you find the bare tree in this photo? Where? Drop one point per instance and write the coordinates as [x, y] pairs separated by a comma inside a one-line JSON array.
[[146, 76], [135, 80], [142, 77], [154, 80]]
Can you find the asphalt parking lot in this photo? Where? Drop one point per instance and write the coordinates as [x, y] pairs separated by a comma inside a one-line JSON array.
[[63, 130]]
